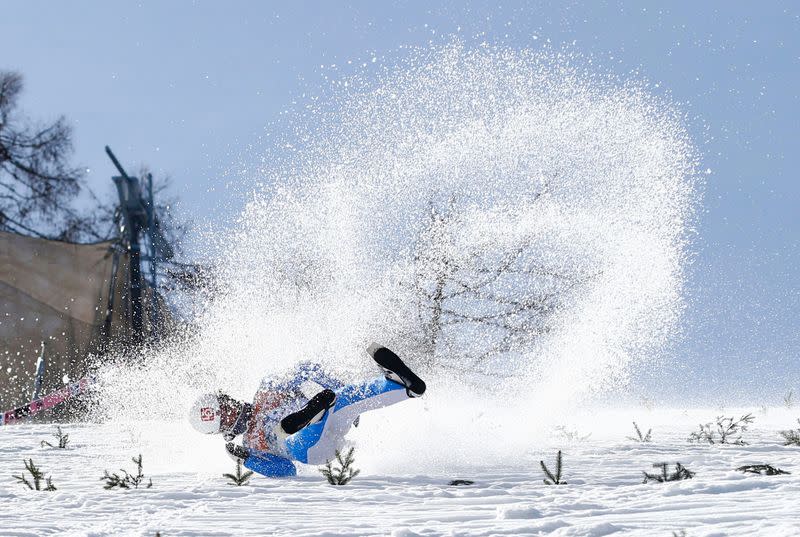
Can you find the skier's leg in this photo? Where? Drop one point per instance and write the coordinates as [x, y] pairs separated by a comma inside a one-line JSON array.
[[317, 443]]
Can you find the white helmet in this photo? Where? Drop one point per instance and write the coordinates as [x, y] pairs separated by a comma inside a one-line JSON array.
[[205, 414]]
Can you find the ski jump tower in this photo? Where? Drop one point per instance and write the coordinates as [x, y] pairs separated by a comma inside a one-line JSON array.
[[139, 221]]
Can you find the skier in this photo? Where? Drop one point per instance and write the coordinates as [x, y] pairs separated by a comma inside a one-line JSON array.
[[303, 419]]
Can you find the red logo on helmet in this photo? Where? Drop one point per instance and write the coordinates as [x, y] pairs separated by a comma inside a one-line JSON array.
[[206, 414]]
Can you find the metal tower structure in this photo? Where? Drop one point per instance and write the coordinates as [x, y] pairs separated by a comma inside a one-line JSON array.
[[140, 225]]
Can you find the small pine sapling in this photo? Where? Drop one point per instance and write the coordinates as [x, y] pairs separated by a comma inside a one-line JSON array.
[[551, 479], [762, 469], [63, 439], [571, 435], [126, 481], [791, 437], [639, 436], [788, 399], [37, 475], [239, 478], [344, 473], [681, 473], [726, 430]]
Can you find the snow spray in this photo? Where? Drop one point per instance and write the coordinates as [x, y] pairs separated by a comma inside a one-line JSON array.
[[500, 178]]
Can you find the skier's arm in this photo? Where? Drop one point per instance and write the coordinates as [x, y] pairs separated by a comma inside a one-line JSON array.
[[270, 465], [264, 463], [314, 372]]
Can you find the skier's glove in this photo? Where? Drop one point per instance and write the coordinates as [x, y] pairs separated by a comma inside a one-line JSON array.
[[237, 453]]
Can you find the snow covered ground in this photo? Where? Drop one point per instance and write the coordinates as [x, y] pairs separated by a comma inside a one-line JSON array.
[[604, 494]]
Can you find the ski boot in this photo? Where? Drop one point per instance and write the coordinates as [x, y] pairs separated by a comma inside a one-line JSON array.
[[311, 413], [395, 370]]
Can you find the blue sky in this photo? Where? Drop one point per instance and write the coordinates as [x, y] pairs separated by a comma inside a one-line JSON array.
[[187, 87]]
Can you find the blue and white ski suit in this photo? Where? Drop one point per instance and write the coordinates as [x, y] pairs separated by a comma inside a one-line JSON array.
[[272, 455]]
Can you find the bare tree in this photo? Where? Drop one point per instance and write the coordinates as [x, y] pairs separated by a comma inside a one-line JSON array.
[[36, 181], [501, 295], [37, 184]]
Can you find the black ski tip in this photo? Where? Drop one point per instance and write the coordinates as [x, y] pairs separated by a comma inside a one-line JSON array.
[[298, 420], [396, 370], [323, 399], [373, 348]]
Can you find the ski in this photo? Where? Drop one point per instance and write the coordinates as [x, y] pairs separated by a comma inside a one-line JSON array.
[[395, 370], [46, 402]]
